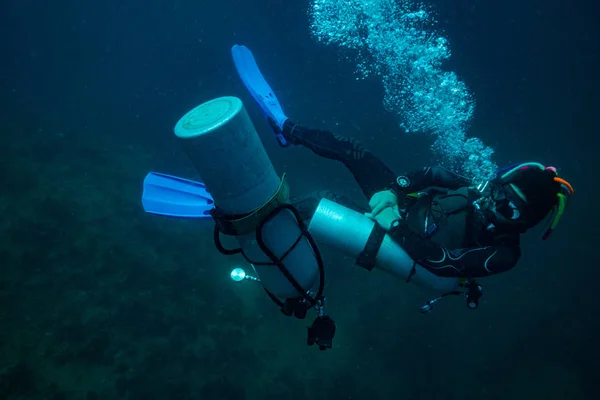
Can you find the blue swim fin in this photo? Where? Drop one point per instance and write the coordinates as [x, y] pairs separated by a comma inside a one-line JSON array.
[[175, 197], [258, 87]]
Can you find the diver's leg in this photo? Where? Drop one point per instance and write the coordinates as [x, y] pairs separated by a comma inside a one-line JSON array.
[[371, 174]]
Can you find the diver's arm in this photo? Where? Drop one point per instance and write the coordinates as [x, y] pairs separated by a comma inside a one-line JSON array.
[[427, 177], [472, 262]]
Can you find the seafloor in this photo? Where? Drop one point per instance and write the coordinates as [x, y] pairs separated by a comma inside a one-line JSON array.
[[100, 301]]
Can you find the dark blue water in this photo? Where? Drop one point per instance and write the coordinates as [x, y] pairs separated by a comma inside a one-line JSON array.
[[99, 301]]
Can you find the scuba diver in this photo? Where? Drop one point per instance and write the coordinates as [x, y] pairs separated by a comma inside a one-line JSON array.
[[444, 222], [430, 227]]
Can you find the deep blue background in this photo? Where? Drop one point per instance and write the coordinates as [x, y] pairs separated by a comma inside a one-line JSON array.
[[126, 71]]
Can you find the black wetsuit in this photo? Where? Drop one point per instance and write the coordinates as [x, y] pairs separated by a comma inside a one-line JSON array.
[[459, 245]]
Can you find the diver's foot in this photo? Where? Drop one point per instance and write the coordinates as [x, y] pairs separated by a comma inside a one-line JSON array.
[[284, 133]]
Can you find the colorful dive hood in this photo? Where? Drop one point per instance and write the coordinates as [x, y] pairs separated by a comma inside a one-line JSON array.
[[535, 190]]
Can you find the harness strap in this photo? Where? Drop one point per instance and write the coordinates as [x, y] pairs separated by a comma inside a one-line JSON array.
[[366, 258]]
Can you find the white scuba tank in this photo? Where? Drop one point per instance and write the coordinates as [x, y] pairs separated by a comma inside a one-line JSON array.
[[349, 231]]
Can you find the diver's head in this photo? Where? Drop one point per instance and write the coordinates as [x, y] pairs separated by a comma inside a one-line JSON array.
[[524, 194]]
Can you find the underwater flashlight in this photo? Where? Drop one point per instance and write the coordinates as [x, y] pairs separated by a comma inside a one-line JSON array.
[[238, 275]]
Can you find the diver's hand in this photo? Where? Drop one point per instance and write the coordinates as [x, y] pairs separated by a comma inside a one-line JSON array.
[[384, 218], [380, 201]]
